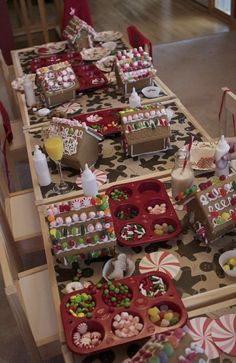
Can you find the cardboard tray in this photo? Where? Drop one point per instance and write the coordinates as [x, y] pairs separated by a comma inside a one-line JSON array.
[[87, 74], [74, 58], [103, 315], [142, 194]]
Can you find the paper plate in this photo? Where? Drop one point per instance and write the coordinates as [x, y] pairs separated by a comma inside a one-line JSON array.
[[109, 45], [93, 54], [223, 331], [69, 108], [151, 91], [101, 178], [106, 64], [107, 36], [49, 49], [202, 156], [200, 331], [160, 261]]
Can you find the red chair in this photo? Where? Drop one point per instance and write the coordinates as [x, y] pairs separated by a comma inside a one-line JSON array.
[[137, 39], [79, 8]]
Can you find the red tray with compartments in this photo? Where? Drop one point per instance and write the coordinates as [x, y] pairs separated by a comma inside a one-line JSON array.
[[106, 122], [90, 77], [74, 58], [139, 226], [103, 314]]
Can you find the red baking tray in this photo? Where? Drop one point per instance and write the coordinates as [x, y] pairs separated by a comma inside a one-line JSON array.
[[140, 195], [103, 314], [74, 58], [107, 125], [90, 77]]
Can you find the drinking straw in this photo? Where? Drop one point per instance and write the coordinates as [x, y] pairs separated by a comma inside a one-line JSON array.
[[188, 152]]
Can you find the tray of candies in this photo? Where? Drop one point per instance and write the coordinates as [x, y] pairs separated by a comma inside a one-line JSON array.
[[106, 122], [74, 58], [89, 76], [122, 311], [142, 213]]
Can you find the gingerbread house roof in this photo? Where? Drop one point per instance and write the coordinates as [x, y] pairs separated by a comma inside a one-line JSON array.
[[75, 28], [57, 78]]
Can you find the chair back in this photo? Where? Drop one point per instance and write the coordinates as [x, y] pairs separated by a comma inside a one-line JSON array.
[[137, 39], [79, 8], [227, 114]]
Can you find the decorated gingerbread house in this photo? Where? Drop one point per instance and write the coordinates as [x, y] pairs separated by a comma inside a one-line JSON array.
[[57, 83], [79, 33], [81, 143], [133, 68], [211, 207], [144, 130]]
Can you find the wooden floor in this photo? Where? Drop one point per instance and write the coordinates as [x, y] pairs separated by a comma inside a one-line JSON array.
[[162, 21]]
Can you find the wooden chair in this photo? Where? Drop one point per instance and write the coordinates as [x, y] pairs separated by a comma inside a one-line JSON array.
[[30, 299], [137, 39]]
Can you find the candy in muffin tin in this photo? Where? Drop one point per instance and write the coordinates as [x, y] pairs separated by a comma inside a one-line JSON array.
[[90, 77], [103, 315], [74, 58], [108, 121], [139, 196]]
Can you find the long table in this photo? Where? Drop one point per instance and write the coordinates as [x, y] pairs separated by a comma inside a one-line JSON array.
[[202, 282]]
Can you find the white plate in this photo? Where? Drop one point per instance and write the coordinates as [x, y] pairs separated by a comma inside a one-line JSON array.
[[93, 54], [107, 36], [151, 91], [201, 155], [49, 49], [106, 64], [109, 45]]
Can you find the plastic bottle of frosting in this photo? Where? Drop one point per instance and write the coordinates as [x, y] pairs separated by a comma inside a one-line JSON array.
[[134, 99], [222, 166], [89, 183], [29, 92], [41, 167]]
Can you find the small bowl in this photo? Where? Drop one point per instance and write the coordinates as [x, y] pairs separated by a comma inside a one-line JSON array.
[[224, 258], [107, 269], [109, 45]]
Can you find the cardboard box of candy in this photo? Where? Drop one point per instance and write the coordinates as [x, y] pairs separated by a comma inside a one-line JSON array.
[[142, 213], [144, 130], [80, 225], [133, 68], [119, 312], [57, 83]]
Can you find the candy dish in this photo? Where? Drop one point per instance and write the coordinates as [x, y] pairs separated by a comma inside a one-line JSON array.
[[108, 121], [151, 91], [94, 54], [134, 223], [50, 48], [117, 269], [227, 262], [107, 36], [122, 303], [106, 64], [109, 45]]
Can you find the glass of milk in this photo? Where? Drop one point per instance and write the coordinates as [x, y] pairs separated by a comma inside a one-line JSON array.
[[181, 178]]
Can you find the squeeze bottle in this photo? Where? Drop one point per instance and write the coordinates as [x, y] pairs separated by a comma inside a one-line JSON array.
[[222, 148], [29, 92], [41, 167], [134, 99], [89, 183]]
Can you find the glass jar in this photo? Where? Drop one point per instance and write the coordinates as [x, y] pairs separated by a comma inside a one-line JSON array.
[[182, 175]]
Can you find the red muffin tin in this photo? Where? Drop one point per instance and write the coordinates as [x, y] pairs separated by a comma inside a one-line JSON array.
[[103, 314], [74, 58], [142, 194], [90, 77], [107, 125]]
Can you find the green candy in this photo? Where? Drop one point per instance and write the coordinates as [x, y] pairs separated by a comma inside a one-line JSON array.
[[168, 349], [154, 360]]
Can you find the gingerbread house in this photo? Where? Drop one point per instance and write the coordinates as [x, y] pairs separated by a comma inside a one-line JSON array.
[[133, 68], [79, 33], [81, 143], [144, 130], [212, 207], [57, 83]]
